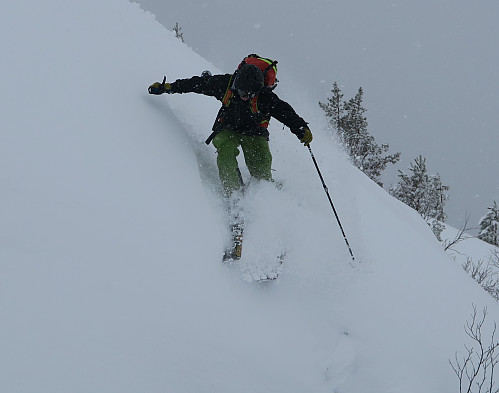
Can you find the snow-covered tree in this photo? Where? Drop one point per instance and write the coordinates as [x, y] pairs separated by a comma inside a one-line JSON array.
[[334, 108], [349, 122], [424, 193], [489, 226]]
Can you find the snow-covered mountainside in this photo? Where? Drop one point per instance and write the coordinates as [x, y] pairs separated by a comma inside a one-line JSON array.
[[111, 235]]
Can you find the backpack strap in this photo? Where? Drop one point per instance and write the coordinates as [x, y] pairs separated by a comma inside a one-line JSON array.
[[228, 93], [254, 109], [225, 102], [254, 104]]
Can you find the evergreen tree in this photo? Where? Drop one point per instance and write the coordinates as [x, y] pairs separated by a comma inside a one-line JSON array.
[[334, 108], [424, 193], [489, 226], [178, 34], [349, 122], [354, 127]]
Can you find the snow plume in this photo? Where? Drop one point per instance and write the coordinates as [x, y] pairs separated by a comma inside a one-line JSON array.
[[112, 232]]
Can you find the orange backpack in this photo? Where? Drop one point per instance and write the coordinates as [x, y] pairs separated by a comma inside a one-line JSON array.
[[268, 67]]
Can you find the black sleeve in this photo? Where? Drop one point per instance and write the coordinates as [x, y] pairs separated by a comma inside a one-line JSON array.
[[284, 113], [210, 85]]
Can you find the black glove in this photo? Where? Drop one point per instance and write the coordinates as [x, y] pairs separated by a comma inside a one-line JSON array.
[[304, 135], [160, 88]]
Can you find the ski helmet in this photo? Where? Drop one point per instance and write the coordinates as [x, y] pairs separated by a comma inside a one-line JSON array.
[[249, 80]]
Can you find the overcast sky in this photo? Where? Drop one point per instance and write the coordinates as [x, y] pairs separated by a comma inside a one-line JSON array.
[[429, 70]]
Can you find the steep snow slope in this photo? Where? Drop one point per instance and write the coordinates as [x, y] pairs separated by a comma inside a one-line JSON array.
[[112, 230]]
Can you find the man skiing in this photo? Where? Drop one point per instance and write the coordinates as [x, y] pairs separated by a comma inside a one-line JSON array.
[[242, 121]]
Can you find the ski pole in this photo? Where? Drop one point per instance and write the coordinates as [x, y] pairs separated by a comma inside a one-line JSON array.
[[330, 200]]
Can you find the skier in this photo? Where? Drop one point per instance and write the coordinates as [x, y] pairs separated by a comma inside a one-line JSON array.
[[247, 106]]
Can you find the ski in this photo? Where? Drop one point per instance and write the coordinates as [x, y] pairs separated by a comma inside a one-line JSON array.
[[236, 228], [234, 252]]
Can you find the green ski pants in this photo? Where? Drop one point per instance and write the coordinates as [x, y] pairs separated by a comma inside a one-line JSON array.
[[256, 155]]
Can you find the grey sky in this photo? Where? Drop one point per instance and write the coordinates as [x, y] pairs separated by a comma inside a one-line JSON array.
[[429, 70]]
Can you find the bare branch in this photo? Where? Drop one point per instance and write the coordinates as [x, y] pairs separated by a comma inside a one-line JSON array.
[[475, 371], [460, 236]]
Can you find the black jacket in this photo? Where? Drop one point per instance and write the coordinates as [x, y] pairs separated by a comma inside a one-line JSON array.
[[238, 116]]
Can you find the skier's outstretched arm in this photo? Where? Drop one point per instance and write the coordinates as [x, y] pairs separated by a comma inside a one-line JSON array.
[[210, 85]]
